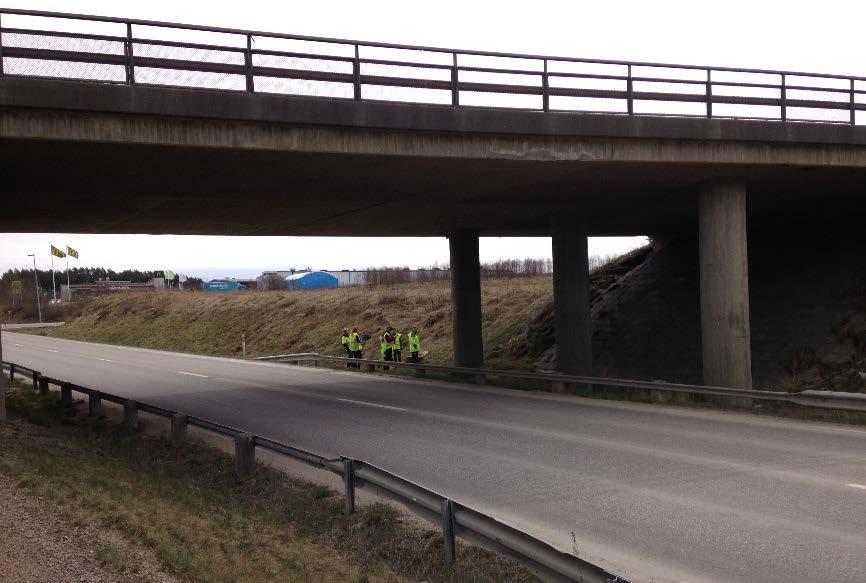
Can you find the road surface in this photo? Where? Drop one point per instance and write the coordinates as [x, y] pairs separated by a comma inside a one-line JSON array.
[[657, 493]]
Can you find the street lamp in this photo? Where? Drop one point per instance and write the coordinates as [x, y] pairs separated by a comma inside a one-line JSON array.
[[36, 281]]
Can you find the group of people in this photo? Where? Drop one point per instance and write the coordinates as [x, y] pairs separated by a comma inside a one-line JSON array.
[[391, 345]]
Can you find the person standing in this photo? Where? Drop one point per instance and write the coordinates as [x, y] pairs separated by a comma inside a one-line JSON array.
[[398, 346], [387, 346], [414, 345], [356, 347], [344, 341]]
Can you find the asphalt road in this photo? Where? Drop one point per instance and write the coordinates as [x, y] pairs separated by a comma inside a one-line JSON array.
[[658, 493]]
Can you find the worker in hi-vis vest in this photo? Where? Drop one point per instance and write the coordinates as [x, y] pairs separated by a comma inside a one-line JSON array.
[[386, 345], [398, 346], [344, 342], [414, 345], [356, 347]]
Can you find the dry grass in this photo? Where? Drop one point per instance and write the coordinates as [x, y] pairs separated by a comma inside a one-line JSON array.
[[186, 504], [308, 321]]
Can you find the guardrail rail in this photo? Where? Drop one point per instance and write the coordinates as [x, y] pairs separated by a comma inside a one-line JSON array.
[[455, 519], [558, 381], [143, 52]]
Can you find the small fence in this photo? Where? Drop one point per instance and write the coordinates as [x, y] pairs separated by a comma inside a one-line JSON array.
[[557, 382], [141, 52], [455, 519]]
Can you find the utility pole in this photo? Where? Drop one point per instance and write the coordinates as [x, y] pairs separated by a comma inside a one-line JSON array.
[[36, 281]]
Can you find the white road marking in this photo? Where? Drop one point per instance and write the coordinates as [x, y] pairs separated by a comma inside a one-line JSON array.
[[50, 350], [858, 486], [19, 345], [192, 374], [103, 359], [372, 404]]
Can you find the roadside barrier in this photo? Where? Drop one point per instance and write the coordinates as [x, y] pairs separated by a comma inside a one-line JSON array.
[[456, 520], [558, 382]]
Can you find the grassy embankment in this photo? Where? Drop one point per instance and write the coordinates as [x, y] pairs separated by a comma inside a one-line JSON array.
[[311, 321], [201, 523]]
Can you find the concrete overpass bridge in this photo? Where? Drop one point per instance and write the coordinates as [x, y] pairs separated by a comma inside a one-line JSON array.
[[118, 126]]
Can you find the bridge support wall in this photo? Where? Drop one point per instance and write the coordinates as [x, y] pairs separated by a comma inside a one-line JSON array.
[[571, 296], [466, 298], [724, 274]]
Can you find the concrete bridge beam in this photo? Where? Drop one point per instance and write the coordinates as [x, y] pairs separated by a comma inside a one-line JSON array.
[[466, 298], [572, 317], [724, 274]]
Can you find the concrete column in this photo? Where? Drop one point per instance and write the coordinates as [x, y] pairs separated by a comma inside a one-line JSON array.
[[130, 415], [466, 299], [245, 455], [178, 428], [571, 296], [725, 331]]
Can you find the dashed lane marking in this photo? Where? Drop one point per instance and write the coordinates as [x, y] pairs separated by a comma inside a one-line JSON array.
[[372, 404], [193, 374], [858, 486]]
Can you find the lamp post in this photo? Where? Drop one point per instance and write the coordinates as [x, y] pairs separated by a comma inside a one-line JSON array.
[[36, 281]]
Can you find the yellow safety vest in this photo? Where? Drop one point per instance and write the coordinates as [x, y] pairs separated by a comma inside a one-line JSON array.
[[355, 342], [414, 342]]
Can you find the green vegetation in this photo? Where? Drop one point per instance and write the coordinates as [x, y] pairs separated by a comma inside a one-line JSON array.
[[202, 524]]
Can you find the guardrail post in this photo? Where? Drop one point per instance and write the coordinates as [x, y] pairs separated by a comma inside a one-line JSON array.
[[11, 373], [35, 377], [245, 455], [371, 368], [130, 415], [349, 485], [178, 428], [557, 387], [420, 372], [94, 404], [65, 394], [43, 385], [449, 542], [480, 379], [248, 64]]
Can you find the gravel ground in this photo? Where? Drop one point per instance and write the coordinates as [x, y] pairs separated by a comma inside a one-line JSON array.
[[41, 544]]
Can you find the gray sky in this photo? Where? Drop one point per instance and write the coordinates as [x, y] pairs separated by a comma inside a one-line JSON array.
[[804, 36]]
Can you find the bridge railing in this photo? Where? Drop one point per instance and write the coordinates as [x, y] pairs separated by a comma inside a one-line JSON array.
[[142, 52], [455, 519]]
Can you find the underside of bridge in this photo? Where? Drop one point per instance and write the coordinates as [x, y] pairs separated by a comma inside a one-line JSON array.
[[100, 158]]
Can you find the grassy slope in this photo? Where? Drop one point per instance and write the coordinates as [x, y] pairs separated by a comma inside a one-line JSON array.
[[186, 504], [310, 321]]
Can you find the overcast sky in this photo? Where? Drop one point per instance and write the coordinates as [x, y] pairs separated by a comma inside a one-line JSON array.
[[806, 36]]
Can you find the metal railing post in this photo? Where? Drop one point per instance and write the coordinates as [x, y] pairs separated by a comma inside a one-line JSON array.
[[130, 415], [130, 65], [178, 428], [449, 542], [629, 89], [356, 70], [853, 105], [784, 95], [43, 385], [455, 81], [245, 455], [11, 373], [709, 93], [248, 63], [348, 485], [35, 377], [65, 395], [94, 404], [545, 89], [1, 43]]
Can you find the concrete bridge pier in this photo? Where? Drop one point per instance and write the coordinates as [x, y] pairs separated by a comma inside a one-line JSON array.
[[466, 298], [571, 298], [724, 273]]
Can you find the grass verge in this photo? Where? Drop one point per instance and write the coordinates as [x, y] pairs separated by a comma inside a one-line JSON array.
[[202, 524]]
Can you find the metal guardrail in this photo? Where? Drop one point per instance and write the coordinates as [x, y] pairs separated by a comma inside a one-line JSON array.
[[558, 381], [456, 519], [144, 52]]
